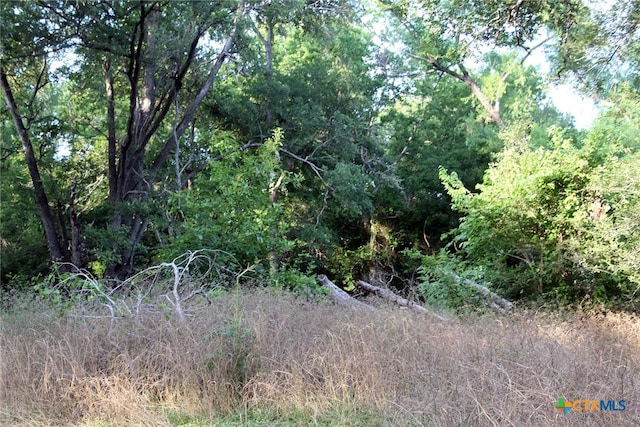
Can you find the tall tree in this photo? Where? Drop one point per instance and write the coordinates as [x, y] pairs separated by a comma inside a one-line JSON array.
[[153, 56], [314, 81], [42, 200]]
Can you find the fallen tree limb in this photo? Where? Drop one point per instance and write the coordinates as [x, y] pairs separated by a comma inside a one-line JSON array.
[[495, 301], [387, 294], [341, 297]]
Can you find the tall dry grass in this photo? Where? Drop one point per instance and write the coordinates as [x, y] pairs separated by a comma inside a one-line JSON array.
[[292, 356]]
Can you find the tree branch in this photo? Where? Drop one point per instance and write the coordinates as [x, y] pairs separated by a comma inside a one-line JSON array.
[[388, 294], [465, 77], [340, 296], [191, 110]]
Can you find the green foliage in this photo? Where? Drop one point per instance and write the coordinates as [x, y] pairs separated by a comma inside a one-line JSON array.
[[452, 29], [48, 288], [602, 48], [317, 136], [23, 253], [441, 281], [297, 282], [66, 291], [440, 289], [541, 225], [319, 92], [107, 244], [348, 265], [229, 207], [426, 133], [350, 191], [614, 234], [442, 124]]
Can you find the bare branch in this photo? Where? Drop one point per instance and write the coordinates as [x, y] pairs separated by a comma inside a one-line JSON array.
[[388, 294]]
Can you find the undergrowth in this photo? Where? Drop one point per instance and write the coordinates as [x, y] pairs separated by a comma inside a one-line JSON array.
[[259, 358]]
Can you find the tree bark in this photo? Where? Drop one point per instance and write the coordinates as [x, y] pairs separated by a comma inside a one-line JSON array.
[[40, 194]]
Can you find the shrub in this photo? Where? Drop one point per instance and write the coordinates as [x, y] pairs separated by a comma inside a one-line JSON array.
[[556, 221]]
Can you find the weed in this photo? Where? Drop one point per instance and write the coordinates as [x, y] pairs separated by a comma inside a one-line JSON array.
[[271, 359]]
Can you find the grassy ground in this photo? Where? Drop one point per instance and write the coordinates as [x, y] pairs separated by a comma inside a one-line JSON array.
[[269, 359]]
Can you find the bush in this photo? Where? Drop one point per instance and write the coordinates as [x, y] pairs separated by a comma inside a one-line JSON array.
[[557, 221], [229, 207]]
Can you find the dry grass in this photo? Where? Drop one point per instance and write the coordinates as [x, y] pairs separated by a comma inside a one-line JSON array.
[[310, 363]]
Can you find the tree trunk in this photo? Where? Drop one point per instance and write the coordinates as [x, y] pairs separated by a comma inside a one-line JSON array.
[[77, 252], [493, 110], [130, 179], [190, 112], [341, 297], [62, 225], [111, 132], [46, 216]]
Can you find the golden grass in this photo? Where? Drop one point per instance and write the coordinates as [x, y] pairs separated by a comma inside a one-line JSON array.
[[292, 356]]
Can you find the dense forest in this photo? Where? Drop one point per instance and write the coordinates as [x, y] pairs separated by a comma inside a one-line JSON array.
[[409, 143]]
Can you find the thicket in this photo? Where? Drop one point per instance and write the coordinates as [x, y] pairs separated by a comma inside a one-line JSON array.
[[407, 143], [557, 221]]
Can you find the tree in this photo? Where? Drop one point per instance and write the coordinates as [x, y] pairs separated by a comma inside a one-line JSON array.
[[602, 49], [558, 220], [230, 207], [428, 129], [127, 103], [42, 200], [318, 91], [147, 54], [438, 125], [444, 36]]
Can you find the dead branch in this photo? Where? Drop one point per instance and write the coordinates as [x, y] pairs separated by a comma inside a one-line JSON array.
[[182, 279], [388, 294], [341, 297]]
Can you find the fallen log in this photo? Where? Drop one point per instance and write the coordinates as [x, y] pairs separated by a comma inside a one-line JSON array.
[[388, 294], [341, 297], [495, 301]]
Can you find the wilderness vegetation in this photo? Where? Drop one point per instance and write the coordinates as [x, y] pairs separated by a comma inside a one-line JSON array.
[[156, 154], [393, 138]]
